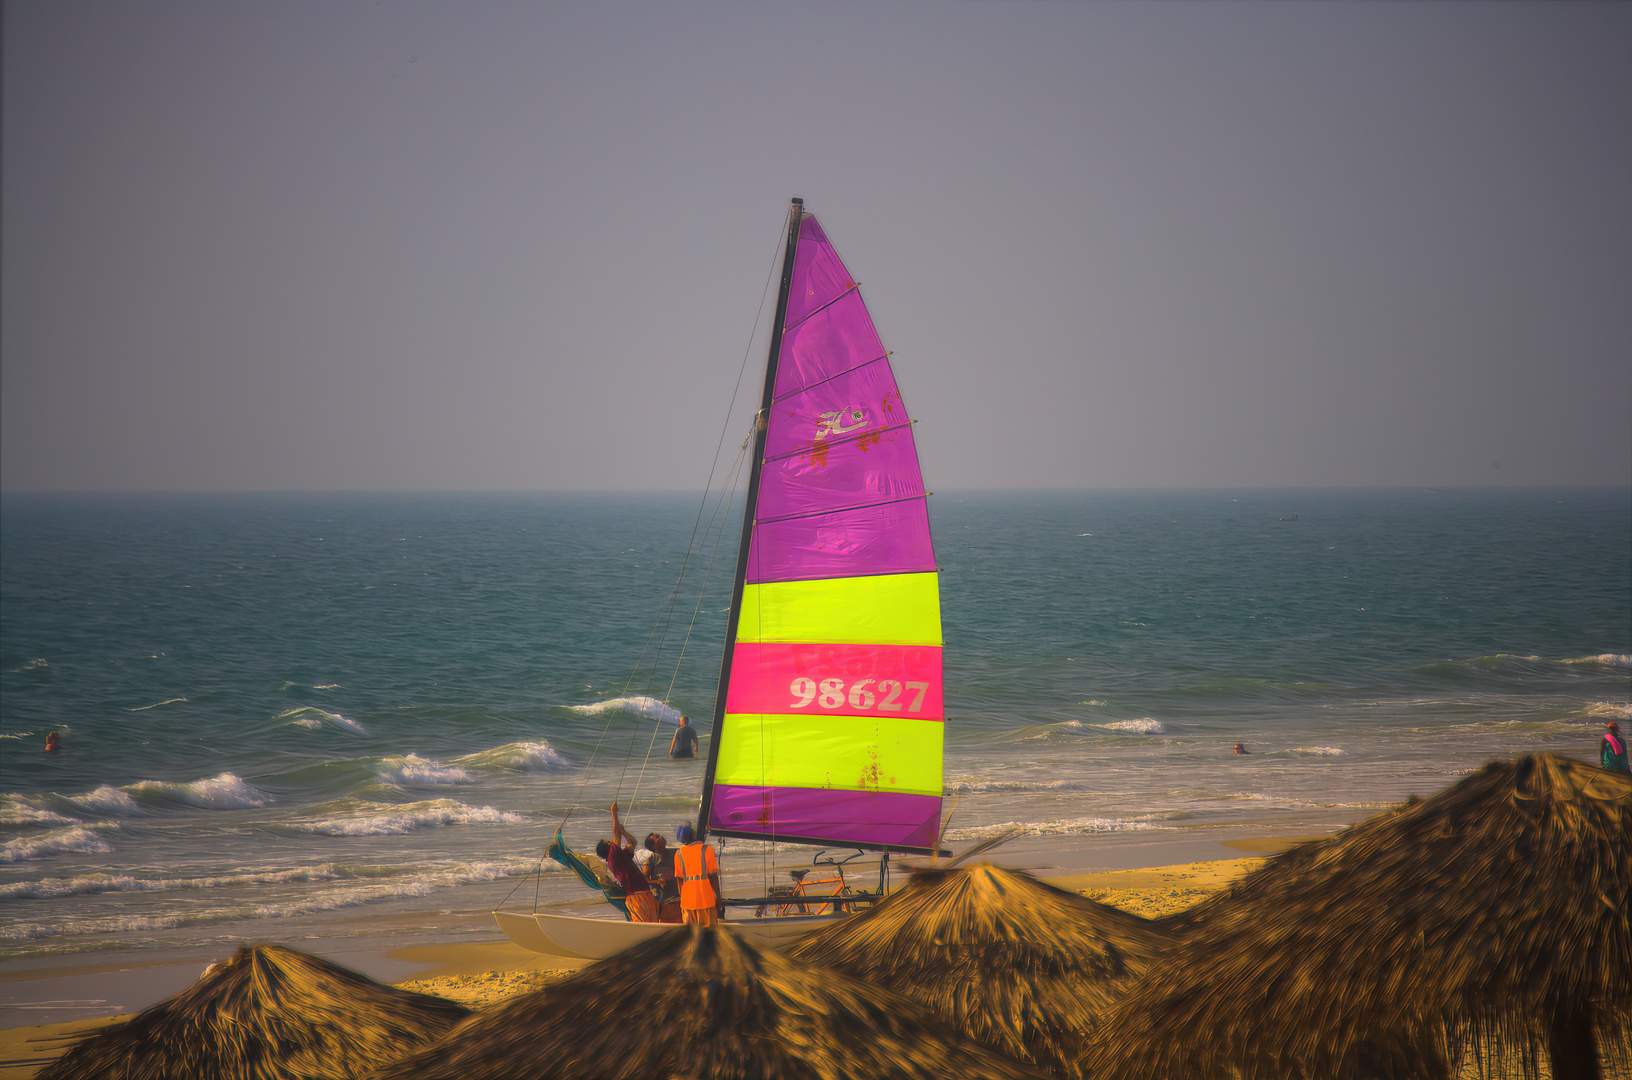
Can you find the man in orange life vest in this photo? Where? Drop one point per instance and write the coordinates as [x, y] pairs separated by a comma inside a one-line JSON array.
[[699, 872]]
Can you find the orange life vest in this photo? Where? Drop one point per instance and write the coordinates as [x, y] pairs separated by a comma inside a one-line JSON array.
[[692, 865]]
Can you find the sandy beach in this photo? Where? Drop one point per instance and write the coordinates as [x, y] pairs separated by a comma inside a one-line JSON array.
[[480, 975]]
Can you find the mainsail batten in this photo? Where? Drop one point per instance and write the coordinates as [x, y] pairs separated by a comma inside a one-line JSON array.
[[830, 725]]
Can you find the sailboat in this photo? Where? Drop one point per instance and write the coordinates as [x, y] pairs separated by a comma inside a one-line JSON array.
[[828, 718]]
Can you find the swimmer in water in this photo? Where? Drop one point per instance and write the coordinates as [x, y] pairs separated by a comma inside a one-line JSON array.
[[1241, 748], [52, 742]]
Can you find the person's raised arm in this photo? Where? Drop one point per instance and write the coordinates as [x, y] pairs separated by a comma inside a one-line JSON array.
[[619, 833]]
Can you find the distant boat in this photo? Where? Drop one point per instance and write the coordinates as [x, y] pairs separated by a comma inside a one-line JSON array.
[[828, 717]]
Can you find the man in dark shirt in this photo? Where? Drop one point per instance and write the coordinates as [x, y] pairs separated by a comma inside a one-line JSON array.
[[684, 743], [660, 872], [619, 853]]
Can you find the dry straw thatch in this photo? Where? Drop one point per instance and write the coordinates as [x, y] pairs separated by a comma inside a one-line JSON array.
[[1019, 965], [704, 1004], [269, 1013], [1494, 914]]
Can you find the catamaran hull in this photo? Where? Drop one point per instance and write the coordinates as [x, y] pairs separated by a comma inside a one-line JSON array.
[[596, 939]]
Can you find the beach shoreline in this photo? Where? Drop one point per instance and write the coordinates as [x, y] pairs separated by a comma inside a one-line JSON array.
[[478, 974]]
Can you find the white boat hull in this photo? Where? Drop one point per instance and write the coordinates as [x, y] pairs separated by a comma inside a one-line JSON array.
[[596, 939]]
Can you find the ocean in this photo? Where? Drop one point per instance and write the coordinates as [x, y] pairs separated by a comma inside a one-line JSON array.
[[358, 716]]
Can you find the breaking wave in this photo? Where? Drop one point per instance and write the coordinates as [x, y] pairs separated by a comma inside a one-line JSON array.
[[310, 716], [640, 706], [1144, 726], [385, 819], [223, 792], [531, 757], [414, 771], [79, 839]]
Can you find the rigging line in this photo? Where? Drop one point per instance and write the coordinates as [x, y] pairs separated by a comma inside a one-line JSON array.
[[538, 869], [724, 427], [722, 513], [674, 600], [724, 520]]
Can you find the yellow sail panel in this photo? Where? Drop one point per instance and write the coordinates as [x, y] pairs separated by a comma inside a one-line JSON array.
[[853, 753], [887, 609]]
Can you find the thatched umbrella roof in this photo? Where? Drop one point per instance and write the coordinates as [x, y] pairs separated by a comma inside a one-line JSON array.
[[269, 1013], [1021, 966], [1495, 912], [704, 1004]]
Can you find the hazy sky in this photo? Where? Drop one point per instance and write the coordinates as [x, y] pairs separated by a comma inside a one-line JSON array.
[[384, 245]]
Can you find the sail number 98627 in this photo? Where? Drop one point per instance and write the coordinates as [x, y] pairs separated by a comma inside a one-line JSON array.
[[887, 695]]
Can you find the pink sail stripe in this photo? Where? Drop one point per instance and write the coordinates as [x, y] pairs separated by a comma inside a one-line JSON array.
[[819, 275], [836, 680], [892, 538], [852, 403], [833, 340], [877, 468], [884, 819]]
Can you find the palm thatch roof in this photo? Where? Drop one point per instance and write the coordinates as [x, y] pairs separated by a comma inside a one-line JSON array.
[[1492, 914], [268, 1013], [1017, 964], [704, 1004]]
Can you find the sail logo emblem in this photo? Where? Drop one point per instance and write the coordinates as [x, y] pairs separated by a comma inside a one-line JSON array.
[[838, 422]]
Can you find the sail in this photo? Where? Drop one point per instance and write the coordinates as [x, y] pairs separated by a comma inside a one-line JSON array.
[[832, 726]]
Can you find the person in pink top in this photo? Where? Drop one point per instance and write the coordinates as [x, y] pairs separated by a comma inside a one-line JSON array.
[[1612, 749]]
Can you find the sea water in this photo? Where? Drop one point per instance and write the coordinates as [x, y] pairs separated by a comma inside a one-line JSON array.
[[298, 717]]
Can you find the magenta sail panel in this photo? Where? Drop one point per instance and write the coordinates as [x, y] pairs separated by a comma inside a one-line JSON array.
[[879, 467], [891, 538], [819, 275], [882, 819], [834, 340], [846, 406]]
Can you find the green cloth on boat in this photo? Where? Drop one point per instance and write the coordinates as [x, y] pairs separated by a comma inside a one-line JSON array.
[[561, 853]]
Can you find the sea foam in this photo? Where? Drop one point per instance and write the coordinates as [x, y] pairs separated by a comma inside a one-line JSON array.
[[79, 839], [1143, 726], [640, 706], [386, 819], [310, 716], [426, 881], [415, 771], [1065, 827]]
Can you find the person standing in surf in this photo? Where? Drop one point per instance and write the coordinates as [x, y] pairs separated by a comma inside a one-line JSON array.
[[1612, 749], [684, 743]]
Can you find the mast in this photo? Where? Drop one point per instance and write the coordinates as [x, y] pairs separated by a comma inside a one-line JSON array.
[[795, 215]]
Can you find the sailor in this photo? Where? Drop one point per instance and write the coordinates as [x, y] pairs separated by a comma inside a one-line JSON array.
[[699, 872], [659, 870], [619, 853], [684, 743]]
